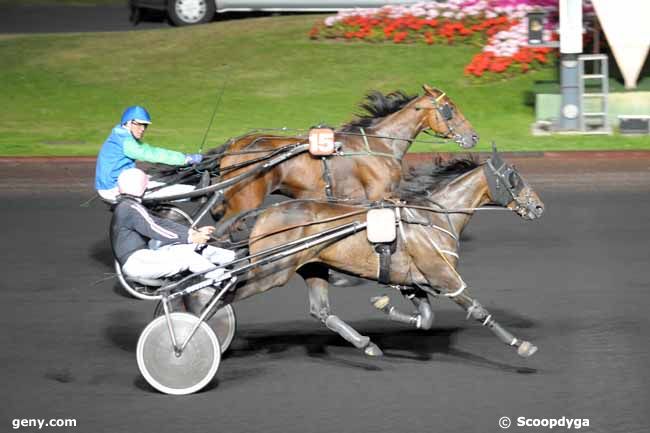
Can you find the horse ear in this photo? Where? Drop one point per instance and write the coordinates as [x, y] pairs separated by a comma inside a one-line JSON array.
[[428, 89], [496, 158]]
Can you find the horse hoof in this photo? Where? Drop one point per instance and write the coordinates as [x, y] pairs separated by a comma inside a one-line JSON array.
[[373, 350], [526, 349], [380, 302]]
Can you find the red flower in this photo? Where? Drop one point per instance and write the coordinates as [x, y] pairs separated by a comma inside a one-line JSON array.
[[399, 37]]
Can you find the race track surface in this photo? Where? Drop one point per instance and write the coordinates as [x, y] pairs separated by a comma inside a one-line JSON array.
[[17, 18], [576, 283]]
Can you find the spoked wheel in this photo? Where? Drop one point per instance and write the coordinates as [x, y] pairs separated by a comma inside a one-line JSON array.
[[182, 373], [223, 322], [142, 291], [173, 213]]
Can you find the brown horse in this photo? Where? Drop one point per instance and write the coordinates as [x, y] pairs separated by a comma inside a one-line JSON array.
[[369, 163], [438, 207]]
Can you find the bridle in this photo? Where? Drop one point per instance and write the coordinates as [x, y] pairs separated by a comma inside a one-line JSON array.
[[506, 185], [446, 113]]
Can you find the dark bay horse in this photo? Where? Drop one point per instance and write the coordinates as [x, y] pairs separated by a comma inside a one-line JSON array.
[[438, 206], [372, 146]]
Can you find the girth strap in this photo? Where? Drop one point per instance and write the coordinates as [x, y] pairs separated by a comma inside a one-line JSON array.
[[327, 178], [385, 252]]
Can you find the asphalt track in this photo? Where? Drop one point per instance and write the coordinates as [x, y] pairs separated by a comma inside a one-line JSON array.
[[56, 18], [576, 283]]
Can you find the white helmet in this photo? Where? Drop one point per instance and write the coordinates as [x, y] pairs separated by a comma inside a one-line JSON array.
[[132, 181]]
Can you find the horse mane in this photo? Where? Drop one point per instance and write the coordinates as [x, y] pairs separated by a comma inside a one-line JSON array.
[[420, 181], [377, 105]]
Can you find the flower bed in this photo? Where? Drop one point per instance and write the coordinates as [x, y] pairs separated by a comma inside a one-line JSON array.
[[498, 26]]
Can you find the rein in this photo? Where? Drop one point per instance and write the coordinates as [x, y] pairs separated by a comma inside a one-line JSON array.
[[269, 154], [303, 137], [392, 205], [306, 224]]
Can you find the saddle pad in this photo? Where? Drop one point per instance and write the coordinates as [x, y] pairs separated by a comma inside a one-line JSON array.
[[381, 225]]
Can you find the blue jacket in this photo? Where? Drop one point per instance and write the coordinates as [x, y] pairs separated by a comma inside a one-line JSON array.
[[121, 150]]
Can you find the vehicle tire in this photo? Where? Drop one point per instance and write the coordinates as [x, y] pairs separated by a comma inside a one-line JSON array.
[[180, 374], [223, 322], [141, 291], [188, 12]]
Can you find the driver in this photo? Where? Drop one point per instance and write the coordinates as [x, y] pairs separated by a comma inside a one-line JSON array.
[[132, 226], [124, 146]]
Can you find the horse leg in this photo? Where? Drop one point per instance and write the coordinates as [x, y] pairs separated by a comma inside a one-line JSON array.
[[315, 276], [479, 313], [421, 319]]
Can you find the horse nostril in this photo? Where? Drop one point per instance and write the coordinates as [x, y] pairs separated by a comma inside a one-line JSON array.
[[539, 210], [475, 138]]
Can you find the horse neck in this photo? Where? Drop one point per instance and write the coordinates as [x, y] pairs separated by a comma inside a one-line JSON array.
[[403, 126], [468, 191]]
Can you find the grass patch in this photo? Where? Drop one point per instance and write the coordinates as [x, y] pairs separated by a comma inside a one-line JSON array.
[[60, 94]]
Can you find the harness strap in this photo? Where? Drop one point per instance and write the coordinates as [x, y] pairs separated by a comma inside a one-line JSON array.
[[384, 251], [367, 150], [327, 178], [443, 255]]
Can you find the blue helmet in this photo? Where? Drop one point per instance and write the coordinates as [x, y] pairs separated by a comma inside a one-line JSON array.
[[137, 113]]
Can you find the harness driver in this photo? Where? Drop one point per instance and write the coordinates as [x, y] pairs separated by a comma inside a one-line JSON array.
[[124, 146], [181, 249]]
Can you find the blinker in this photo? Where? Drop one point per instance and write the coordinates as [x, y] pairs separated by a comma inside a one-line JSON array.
[[446, 112]]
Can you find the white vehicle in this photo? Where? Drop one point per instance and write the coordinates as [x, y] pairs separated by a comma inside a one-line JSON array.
[[186, 12]]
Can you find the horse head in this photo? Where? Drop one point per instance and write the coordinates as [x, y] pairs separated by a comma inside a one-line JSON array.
[[509, 189], [445, 119]]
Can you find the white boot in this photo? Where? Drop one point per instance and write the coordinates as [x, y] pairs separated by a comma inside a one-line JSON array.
[[219, 256]]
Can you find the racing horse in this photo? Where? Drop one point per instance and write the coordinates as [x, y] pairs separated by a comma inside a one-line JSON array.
[[437, 207], [372, 149], [368, 164]]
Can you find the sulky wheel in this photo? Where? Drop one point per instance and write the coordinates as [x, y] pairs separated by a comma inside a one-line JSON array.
[[173, 213], [223, 322], [176, 374], [138, 289]]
